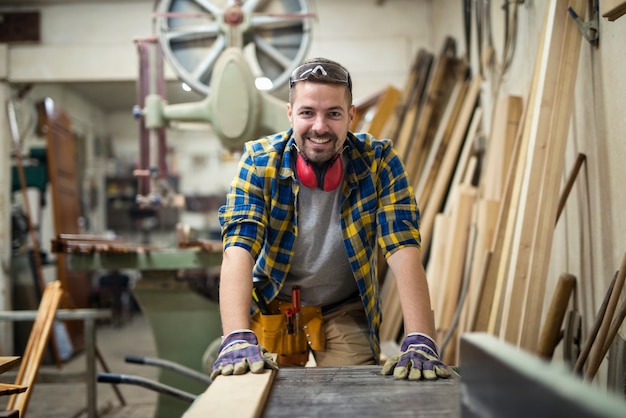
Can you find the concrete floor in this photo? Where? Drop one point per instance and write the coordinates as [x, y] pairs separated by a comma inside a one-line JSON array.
[[69, 400]]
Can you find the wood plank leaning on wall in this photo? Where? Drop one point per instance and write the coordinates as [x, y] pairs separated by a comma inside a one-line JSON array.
[[548, 130], [420, 124]]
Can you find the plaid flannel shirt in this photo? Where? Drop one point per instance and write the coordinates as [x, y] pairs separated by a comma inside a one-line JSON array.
[[378, 211]]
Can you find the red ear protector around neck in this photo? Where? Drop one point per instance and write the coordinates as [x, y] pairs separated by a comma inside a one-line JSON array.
[[327, 177]]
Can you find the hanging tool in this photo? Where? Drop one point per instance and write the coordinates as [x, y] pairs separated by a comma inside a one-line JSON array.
[[590, 29]]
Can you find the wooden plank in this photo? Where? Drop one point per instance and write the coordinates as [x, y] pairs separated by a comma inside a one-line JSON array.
[[382, 112], [491, 280], [440, 143], [35, 346], [241, 396], [363, 107], [613, 9], [486, 217], [11, 389], [491, 301], [438, 91], [413, 93], [8, 362], [542, 177], [448, 164], [358, 391], [458, 240], [499, 149]]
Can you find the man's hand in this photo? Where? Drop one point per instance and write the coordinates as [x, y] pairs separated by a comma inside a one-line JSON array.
[[419, 359], [240, 351]]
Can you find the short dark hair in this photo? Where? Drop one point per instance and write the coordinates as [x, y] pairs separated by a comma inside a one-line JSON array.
[[321, 70]]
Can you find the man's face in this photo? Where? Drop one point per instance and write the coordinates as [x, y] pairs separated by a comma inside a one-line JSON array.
[[320, 117]]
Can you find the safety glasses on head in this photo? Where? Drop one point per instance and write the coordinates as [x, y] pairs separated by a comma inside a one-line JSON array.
[[321, 71]]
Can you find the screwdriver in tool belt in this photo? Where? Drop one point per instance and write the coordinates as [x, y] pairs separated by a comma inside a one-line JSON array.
[[295, 303], [289, 315]]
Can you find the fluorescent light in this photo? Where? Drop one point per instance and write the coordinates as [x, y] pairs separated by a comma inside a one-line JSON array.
[[185, 87]]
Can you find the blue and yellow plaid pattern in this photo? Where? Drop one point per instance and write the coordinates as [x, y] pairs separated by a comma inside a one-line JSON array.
[[378, 211]]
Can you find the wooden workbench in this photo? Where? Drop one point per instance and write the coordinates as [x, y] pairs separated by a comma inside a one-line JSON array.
[[359, 391], [352, 391]]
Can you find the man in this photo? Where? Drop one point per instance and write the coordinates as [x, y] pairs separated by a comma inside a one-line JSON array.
[[309, 209]]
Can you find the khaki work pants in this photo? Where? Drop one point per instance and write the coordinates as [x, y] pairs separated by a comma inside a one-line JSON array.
[[347, 341]]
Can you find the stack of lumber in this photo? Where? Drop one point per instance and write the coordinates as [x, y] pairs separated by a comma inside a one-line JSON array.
[[487, 212]]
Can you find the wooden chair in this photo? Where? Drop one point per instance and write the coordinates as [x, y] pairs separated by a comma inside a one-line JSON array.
[[35, 347]]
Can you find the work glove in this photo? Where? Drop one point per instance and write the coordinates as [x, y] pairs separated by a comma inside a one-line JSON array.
[[419, 359], [240, 351]]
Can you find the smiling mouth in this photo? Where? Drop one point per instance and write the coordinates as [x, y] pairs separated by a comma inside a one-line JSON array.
[[320, 141]]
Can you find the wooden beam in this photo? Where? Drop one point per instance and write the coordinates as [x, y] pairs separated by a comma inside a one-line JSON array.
[[385, 107], [37, 341], [241, 396], [448, 164], [406, 115], [438, 91], [452, 276], [439, 146]]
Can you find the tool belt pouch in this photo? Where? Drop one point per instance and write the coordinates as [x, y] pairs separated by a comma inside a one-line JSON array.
[[271, 331]]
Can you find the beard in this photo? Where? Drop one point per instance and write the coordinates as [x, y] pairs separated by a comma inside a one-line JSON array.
[[319, 155]]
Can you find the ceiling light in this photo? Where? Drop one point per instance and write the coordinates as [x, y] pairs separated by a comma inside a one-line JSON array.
[[263, 83]]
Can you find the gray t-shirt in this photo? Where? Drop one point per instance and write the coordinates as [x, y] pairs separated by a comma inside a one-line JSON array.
[[320, 263]]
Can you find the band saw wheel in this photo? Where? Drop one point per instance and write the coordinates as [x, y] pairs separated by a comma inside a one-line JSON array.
[[274, 35]]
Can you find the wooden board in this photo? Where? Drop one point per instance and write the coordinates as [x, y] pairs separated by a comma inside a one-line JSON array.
[[358, 391], [7, 363], [438, 91], [37, 341], [440, 143], [374, 115], [613, 9], [485, 225], [501, 142], [10, 389], [411, 102], [448, 163], [453, 273], [548, 134], [241, 396]]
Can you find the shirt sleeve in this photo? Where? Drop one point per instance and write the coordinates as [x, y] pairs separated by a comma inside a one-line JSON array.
[[398, 214], [242, 218]]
